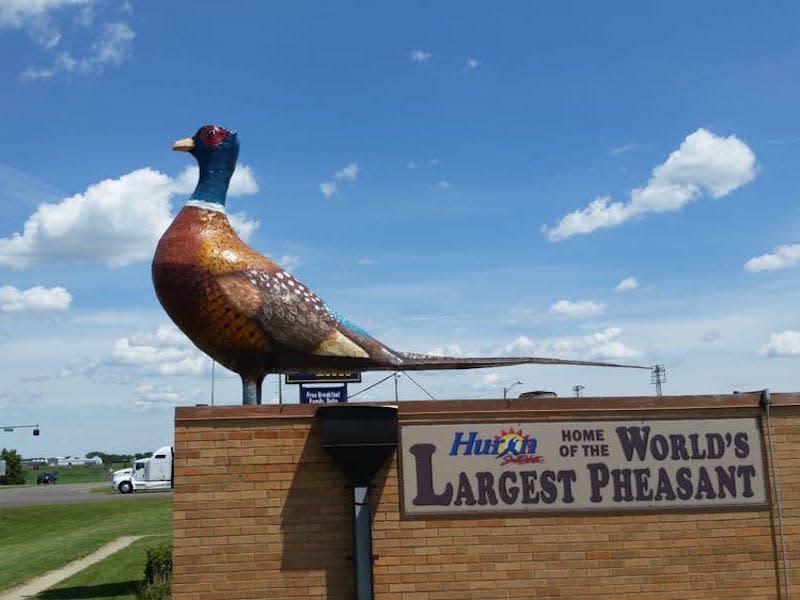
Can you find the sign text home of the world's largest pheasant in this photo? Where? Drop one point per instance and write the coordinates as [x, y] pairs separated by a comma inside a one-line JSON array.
[[598, 465]]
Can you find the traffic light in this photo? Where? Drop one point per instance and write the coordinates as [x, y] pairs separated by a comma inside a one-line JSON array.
[[35, 431]]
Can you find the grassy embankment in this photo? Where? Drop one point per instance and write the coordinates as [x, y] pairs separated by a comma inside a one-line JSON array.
[[117, 577], [38, 539]]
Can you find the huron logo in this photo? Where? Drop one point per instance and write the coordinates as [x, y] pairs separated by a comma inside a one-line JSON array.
[[509, 446]]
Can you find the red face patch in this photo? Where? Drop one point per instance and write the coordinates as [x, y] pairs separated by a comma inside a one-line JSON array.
[[211, 135]]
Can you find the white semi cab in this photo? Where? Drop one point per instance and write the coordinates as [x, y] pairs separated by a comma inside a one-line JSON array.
[[154, 473]]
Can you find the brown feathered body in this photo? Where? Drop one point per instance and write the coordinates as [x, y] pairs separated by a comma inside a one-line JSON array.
[[251, 315]]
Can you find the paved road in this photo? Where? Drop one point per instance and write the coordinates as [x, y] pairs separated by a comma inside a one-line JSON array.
[[66, 493]]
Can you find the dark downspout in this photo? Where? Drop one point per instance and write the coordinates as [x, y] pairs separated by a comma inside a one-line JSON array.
[[362, 542], [360, 439], [765, 404]]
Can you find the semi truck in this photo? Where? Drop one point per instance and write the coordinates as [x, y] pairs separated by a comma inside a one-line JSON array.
[[154, 473]]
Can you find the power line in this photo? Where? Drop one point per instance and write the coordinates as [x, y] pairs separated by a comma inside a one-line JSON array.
[[369, 387], [419, 386]]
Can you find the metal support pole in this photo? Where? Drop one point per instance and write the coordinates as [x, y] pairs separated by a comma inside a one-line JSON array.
[[362, 542]]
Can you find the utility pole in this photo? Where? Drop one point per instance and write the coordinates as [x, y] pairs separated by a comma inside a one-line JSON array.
[[578, 389], [213, 364], [658, 375]]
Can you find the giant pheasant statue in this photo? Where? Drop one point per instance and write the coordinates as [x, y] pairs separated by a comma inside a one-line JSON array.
[[248, 313]]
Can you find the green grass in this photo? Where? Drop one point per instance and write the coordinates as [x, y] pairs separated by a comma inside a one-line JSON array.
[[82, 474], [37, 539], [76, 474], [117, 577]]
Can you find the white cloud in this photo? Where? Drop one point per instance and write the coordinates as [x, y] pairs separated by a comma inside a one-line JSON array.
[[444, 185], [86, 15], [785, 343], [626, 285], [289, 262], [243, 181], [44, 35], [327, 188], [243, 226], [487, 382], [150, 394], [704, 163], [579, 309], [623, 149], [523, 314], [519, 346], [112, 47], [603, 345], [115, 221], [37, 299], [448, 350], [413, 164], [347, 173], [25, 13], [472, 63], [784, 257], [165, 352], [43, 21], [420, 56]]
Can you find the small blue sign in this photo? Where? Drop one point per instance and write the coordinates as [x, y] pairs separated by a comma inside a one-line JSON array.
[[323, 395]]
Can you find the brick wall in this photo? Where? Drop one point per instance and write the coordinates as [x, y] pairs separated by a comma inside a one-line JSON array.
[[260, 511]]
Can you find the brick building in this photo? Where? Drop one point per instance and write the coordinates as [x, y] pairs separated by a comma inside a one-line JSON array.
[[668, 497]]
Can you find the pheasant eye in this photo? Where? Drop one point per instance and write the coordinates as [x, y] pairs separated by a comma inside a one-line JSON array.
[[212, 135]]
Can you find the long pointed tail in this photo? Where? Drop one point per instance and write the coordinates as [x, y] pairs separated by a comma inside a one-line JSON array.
[[426, 362]]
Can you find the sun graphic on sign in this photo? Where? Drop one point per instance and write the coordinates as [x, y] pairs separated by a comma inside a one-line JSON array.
[[511, 442]]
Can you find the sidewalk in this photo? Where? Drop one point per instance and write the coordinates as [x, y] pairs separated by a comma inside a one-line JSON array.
[[41, 583]]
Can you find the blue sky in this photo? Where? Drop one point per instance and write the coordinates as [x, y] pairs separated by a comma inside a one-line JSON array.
[[601, 181]]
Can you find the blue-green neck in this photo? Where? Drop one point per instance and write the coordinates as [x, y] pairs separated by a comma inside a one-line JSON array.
[[216, 168], [213, 185]]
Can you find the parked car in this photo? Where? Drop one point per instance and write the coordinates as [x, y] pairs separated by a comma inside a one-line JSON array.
[[46, 478]]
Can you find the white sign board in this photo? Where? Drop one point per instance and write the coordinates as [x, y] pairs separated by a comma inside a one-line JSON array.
[[472, 468], [2, 467]]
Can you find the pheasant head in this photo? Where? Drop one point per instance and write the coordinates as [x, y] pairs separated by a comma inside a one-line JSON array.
[[216, 150]]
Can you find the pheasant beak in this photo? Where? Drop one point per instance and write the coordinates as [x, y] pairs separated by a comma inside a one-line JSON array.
[[184, 145]]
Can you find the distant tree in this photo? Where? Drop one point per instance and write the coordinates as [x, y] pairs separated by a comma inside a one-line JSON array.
[[110, 459], [14, 474], [116, 459]]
